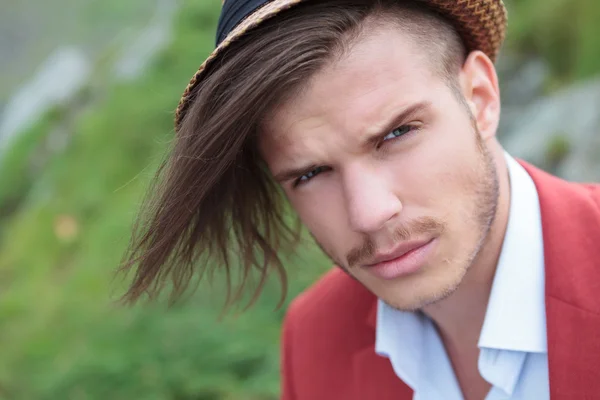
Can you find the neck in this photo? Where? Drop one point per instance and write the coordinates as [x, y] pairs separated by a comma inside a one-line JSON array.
[[459, 317]]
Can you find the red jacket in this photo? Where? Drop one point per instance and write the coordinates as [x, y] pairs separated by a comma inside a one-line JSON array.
[[328, 345]]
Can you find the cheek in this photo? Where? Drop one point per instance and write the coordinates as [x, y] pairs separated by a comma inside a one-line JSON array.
[[452, 175], [318, 211], [323, 214], [440, 178], [434, 177]]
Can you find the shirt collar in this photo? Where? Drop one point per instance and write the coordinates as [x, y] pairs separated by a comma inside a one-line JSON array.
[[515, 318], [411, 342]]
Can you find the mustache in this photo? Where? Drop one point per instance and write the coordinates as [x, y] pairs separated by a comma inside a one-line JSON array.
[[420, 226]]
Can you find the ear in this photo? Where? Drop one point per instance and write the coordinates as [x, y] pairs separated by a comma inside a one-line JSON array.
[[479, 84]]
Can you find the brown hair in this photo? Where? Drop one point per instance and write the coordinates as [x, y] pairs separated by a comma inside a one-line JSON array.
[[213, 204]]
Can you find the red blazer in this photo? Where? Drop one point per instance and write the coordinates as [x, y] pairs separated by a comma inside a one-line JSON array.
[[328, 344]]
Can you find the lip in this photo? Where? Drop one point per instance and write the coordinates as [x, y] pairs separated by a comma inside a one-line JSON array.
[[398, 251], [404, 259]]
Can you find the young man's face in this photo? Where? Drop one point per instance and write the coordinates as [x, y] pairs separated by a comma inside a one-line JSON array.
[[393, 179]]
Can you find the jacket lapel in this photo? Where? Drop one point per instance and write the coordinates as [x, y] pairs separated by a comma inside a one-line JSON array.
[[374, 377], [573, 351], [571, 230]]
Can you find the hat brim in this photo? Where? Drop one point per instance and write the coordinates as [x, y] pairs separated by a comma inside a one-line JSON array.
[[480, 23]]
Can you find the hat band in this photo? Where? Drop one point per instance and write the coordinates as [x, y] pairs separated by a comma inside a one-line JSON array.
[[234, 12]]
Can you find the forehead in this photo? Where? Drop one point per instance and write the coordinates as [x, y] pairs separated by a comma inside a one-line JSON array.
[[382, 70]]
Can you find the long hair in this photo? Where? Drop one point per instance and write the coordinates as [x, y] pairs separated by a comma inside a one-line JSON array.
[[213, 205]]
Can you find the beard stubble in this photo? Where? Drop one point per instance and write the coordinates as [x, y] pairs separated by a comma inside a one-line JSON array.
[[485, 206]]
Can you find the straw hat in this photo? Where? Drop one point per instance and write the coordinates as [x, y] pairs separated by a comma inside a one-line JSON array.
[[480, 23]]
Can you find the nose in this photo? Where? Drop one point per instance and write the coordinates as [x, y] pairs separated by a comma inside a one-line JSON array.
[[370, 199]]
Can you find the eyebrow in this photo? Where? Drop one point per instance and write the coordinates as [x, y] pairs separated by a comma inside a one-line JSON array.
[[407, 113], [398, 119]]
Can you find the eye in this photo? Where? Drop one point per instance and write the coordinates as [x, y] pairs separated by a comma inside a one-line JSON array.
[[403, 130], [308, 176]]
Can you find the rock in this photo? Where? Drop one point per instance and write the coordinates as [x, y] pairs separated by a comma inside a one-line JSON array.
[[137, 54], [560, 133], [58, 79], [521, 81]]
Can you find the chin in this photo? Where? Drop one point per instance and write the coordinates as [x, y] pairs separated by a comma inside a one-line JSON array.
[[419, 302], [414, 293]]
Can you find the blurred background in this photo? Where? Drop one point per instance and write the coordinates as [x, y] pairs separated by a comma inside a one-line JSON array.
[[87, 93]]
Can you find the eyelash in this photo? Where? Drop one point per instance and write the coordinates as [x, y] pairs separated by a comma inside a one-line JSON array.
[[411, 128]]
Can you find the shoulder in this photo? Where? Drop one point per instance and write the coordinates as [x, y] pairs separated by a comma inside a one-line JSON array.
[[337, 307], [571, 233], [323, 328], [577, 200], [334, 302]]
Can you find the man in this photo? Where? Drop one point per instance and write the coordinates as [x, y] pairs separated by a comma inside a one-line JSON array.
[[460, 272]]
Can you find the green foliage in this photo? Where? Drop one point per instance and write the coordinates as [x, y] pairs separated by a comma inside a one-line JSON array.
[[557, 149], [16, 175], [563, 32]]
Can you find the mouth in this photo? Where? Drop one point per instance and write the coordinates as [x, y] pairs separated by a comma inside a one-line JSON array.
[[406, 258]]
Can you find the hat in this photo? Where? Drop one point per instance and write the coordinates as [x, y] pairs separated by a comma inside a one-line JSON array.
[[480, 23]]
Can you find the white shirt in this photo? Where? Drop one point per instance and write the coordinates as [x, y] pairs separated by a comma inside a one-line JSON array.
[[513, 356]]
